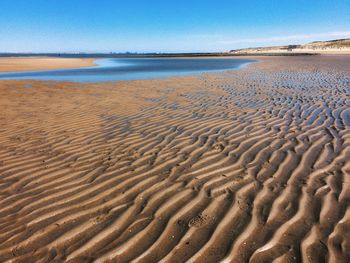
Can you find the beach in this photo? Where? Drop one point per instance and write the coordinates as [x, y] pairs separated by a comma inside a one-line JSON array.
[[251, 165], [42, 63]]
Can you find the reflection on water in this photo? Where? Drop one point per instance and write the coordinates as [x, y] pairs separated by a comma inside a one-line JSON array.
[[133, 68]]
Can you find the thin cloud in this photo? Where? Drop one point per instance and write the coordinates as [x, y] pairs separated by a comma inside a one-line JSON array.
[[287, 38]]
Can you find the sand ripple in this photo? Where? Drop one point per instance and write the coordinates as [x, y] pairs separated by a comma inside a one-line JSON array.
[[243, 166]]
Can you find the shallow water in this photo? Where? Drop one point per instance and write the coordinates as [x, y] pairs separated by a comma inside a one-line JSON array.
[[112, 69]]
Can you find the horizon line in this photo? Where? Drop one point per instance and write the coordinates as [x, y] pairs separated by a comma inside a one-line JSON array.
[[164, 53]]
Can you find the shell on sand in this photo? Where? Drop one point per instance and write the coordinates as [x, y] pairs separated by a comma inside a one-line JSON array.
[[249, 165]]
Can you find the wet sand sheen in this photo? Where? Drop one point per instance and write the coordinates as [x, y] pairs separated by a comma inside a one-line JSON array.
[[249, 165]]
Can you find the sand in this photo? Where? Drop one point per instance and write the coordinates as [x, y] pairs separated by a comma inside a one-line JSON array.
[[333, 47], [242, 166], [42, 63], [296, 51]]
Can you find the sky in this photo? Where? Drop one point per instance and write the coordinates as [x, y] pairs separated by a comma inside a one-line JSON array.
[[167, 26]]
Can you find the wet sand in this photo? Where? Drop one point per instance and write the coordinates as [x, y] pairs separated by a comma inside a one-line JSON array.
[[42, 63], [242, 166]]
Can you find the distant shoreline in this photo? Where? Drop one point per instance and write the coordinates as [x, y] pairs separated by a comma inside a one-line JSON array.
[[331, 47], [149, 55]]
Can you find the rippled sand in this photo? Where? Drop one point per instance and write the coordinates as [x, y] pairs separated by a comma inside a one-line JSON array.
[[249, 165]]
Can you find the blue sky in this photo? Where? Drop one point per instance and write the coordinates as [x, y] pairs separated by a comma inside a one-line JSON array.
[[167, 26]]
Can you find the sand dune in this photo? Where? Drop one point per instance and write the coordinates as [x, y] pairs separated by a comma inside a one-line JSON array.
[[42, 63], [241, 166], [335, 47]]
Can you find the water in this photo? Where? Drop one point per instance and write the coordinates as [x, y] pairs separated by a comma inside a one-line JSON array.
[[133, 68]]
